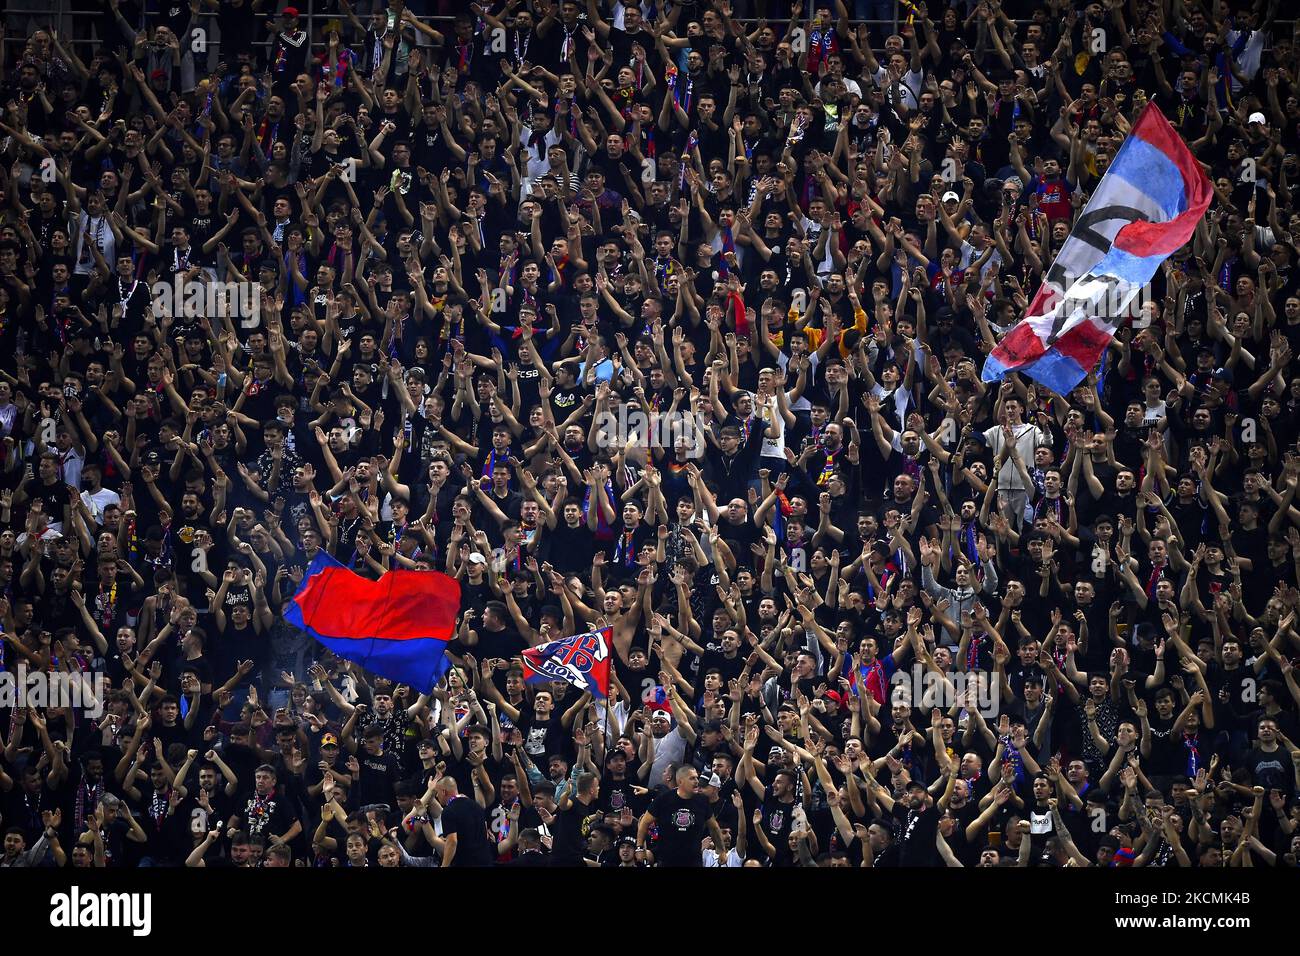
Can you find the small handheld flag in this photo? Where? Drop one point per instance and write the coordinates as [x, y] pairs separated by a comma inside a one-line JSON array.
[[581, 660]]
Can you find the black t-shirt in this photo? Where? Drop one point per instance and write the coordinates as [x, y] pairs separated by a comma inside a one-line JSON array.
[[53, 497], [499, 825], [1273, 771], [234, 645], [194, 816], [267, 817], [640, 684], [615, 795], [543, 739], [23, 809], [377, 779], [569, 844], [465, 818], [1242, 685], [243, 762], [916, 846], [175, 734], [463, 772], [1181, 754], [505, 643], [682, 823], [777, 822]]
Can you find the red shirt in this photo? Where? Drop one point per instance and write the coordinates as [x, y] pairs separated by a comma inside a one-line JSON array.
[[1054, 198]]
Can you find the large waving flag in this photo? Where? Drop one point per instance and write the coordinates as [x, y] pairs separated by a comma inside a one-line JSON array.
[[1145, 208], [398, 627], [581, 660]]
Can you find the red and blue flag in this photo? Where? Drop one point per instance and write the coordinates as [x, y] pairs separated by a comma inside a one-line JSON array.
[[581, 660], [397, 627], [1145, 208]]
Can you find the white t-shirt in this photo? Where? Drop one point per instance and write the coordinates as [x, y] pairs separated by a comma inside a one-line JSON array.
[[851, 87], [774, 437], [909, 86], [95, 230], [70, 463], [1248, 60], [801, 404], [100, 500], [969, 254], [670, 748], [1040, 823], [733, 859], [1028, 437], [538, 165]]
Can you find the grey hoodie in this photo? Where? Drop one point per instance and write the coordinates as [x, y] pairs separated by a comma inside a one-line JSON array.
[[962, 599]]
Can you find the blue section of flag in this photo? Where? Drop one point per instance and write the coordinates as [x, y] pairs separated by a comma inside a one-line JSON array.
[[1058, 372], [1150, 171], [993, 369], [397, 627], [1135, 270], [421, 663]]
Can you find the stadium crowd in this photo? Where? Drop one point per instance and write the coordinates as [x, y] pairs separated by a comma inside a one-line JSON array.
[[669, 319]]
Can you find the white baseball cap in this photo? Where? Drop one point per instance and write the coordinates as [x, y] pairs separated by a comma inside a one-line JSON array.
[[1257, 117]]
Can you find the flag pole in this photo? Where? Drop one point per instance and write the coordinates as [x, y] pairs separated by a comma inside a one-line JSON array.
[[609, 705], [609, 724], [609, 710]]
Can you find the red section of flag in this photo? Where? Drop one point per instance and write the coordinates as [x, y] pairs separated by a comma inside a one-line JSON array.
[[1084, 343], [400, 606], [1154, 129], [1019, 346]]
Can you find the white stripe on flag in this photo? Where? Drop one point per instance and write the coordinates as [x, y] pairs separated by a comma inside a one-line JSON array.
[[1104, 302], [1078, 257]]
